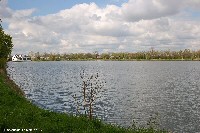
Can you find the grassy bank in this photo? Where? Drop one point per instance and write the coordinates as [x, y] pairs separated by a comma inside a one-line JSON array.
[[16, 112]]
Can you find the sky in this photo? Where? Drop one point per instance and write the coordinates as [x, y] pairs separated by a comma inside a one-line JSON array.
[[81, 26]]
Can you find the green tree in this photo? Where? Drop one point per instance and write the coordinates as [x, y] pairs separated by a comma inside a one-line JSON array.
[[105, 56], [6, 46]]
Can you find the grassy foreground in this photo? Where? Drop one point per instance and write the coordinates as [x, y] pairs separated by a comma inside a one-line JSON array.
[[16, 112]]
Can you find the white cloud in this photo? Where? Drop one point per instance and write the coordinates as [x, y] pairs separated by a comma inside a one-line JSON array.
[[135, 25], [5, 12], [135, 10]]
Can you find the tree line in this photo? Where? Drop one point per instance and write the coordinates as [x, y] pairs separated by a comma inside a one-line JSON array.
[[152, 54]]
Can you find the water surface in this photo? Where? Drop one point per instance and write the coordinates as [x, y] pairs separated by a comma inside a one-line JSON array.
[[134, 90]]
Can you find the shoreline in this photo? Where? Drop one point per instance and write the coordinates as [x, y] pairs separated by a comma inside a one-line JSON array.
[[122, 60], [16, 112]]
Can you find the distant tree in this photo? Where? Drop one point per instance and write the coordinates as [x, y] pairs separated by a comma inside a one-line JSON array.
[[31, 54], [187, 54], [45, 55], [6, 46], [89, 56], [105, 56], [52, 57], [96, 53], [37, 56], [197, 54], [66, 56]]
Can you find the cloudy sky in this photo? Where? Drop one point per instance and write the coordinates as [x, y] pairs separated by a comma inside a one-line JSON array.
[[69, 26]]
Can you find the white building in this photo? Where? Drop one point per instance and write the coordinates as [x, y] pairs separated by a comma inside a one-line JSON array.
[[20, 58]]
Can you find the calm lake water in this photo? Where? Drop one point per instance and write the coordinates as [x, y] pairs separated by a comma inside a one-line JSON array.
[[132, 90]]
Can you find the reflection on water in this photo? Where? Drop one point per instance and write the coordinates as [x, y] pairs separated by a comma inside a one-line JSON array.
[[133, 90]]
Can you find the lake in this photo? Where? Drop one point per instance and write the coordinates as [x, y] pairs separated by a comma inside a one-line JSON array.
[[131, 90]]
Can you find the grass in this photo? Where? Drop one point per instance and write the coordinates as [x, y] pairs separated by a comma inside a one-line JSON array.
[[16, 112]]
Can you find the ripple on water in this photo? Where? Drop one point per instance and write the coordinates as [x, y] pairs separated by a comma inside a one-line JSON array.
[[133, 90]]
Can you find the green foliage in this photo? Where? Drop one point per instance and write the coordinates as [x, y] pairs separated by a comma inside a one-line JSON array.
[[6, 46]]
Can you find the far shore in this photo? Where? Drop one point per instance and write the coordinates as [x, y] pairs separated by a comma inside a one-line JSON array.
[[123, 60]]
